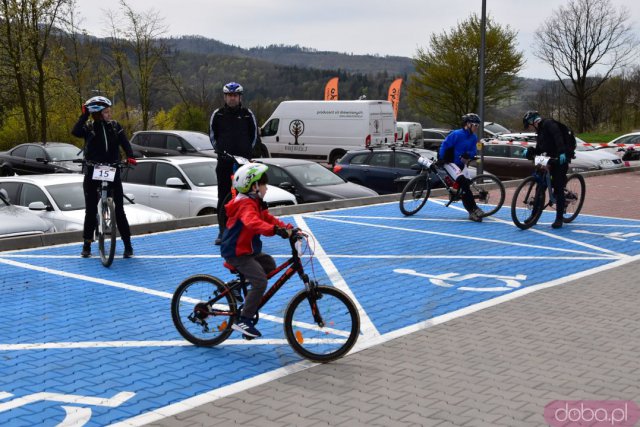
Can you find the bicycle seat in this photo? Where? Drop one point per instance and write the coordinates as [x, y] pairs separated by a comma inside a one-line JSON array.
[[231, 268]]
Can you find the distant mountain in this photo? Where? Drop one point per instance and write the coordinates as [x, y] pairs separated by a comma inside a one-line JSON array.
[[298, 56]]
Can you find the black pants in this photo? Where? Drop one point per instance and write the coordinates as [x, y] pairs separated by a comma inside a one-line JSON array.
[[90, 188], [558, 182], [466, 195], [255, 269], [224, 170]]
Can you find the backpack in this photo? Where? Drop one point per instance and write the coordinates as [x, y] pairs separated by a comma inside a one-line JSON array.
[[569, 138]]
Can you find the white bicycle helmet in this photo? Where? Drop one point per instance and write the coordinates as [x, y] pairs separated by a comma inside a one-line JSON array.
[[97, 103], [247, 175], [232, 87]]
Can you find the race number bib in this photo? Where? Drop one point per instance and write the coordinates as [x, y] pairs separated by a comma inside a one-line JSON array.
[[541, 160], [104, 173], [425, 162]]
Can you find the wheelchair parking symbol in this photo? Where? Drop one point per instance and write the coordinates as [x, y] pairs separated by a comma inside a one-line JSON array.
[[74, 415], [443, 280]]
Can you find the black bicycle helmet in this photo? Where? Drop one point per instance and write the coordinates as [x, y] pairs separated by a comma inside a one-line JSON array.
[[470, 118], [530, 117]]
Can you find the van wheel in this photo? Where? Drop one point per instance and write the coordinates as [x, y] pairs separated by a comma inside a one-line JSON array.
[[335, 156]]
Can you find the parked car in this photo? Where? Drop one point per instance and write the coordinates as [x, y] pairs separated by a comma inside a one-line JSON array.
[[162, 143], [504, 159], [380, 168], [493, 129], [37, 158], [433, 137], [311, 182], [629, 139], [409, 133], [184, 186], [59, 199], [18, 222]]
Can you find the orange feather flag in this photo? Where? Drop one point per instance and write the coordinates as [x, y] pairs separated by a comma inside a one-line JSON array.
[[331, 90], [394, 95]]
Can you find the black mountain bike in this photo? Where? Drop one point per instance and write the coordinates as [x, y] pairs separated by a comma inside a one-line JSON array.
[[106, 227], [529, 198], [321, 323], [486, 189]]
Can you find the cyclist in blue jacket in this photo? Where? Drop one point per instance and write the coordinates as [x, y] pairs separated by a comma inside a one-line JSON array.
[[458, 148]]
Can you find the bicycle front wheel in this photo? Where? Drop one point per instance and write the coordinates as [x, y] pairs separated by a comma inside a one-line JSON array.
[[488, 190], [527, 203], [329, 336], [574, 194], [415, 194], [107, 231], [201, 310]]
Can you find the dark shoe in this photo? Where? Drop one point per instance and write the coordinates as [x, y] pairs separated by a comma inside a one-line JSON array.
[[128, 251], [474, 217], [219, 239], [246, 327], [86, 249], [557, 224]]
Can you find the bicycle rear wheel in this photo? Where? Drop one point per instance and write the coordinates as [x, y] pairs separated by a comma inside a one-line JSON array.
[[327, 341], [527, 203], [415, 194], [197, 318], [488, 189], [107, 231], [574, 194]]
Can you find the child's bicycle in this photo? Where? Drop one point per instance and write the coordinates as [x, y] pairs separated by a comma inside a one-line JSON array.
[[486, 189], [529, 198], [321, 323]]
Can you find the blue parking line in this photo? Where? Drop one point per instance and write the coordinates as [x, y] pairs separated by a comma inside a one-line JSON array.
[[70, 327]]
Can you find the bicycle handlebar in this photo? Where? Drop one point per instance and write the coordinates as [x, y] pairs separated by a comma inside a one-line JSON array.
[[238, 160]]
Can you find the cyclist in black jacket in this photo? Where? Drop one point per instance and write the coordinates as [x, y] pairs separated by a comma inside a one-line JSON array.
[[103, 139], [232, 130], [549, 140]]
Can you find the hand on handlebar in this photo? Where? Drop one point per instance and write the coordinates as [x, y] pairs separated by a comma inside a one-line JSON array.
[[562, 159], [285, 233], [132, 161]]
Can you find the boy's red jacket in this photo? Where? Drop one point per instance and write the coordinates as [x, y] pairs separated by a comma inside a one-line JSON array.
[[246, 221]]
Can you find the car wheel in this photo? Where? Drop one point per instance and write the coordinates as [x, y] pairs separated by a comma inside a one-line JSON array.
[[207, 211]]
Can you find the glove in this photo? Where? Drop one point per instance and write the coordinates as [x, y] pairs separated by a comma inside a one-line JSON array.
[[440, 163], [282, 232], [524, 153], [562, 159], [465, 156], [132, 161]]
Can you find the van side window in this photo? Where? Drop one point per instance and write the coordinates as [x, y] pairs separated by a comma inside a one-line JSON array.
[[271, 128]]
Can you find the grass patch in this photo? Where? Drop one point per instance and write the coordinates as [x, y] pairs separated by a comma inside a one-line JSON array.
[[598, 137]]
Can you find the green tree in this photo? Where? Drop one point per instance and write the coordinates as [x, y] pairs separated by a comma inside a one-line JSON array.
[[579, 36], [445, 85]]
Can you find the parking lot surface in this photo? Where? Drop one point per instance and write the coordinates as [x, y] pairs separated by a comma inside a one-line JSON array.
[[81, 344]]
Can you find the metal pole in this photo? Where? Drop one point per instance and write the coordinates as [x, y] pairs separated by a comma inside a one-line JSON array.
[[483, 25]]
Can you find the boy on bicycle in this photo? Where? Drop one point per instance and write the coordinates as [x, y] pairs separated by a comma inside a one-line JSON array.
[[247, 219], [455, 152]]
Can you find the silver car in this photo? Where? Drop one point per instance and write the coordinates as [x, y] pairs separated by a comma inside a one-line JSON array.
[[17, 222], [59, 198], [185, 186]]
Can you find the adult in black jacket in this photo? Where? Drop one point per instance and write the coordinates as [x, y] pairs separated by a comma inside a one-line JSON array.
[[549, 140], [103, 139], [232, 130]]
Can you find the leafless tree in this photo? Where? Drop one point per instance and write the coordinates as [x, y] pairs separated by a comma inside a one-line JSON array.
[[582, 35]]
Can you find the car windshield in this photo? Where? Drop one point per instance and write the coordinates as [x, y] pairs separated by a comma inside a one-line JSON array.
[[70, 196], [314, 175], [581, 147], [199, 141], [202, 174], [496, 128], [64, 152]]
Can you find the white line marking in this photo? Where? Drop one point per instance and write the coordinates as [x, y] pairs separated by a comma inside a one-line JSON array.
[[113, 402], [367, 328]]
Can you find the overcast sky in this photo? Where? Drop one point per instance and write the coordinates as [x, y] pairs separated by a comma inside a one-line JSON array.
[[384, 27]]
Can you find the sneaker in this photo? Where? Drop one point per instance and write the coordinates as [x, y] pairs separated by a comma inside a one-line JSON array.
[[86, 249], [479, 212], [474, 217], [557, 224], [218, 239], [247, 328], [128, 251]]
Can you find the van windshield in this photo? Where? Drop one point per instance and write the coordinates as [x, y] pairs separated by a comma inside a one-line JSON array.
[[314, 175]]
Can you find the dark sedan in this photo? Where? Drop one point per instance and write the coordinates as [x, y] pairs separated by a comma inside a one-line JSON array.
[[381, 168], [311, 182], [162, 143], [36, 158]]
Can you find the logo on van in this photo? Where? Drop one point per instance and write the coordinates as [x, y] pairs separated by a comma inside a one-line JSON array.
[[376, 126], [296, 128]]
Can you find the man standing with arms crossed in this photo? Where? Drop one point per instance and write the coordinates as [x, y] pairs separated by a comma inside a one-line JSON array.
[[232, 130]]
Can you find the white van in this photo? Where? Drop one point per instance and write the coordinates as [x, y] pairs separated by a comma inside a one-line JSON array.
[[323, 131], [410, 133]]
